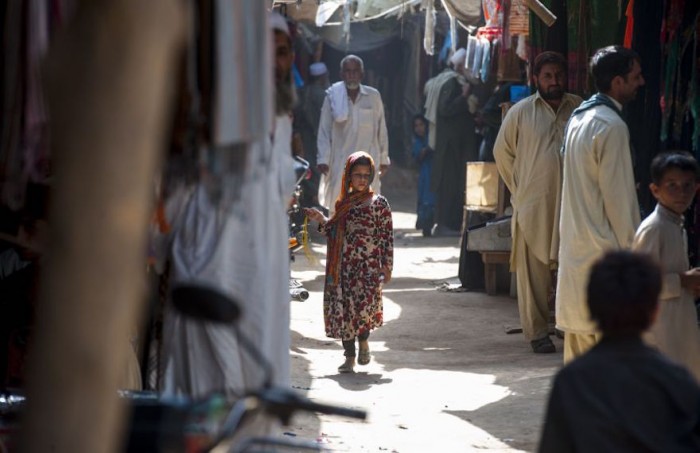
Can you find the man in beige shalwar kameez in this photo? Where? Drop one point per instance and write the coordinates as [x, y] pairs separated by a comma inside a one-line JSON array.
[[527, 153], [599, 208]]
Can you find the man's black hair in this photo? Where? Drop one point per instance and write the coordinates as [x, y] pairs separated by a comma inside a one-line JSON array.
[[610, 62]]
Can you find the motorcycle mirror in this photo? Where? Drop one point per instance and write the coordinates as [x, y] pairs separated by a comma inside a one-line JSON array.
[[205, 304]]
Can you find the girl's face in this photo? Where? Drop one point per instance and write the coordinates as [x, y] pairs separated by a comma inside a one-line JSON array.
[[359, 178], [419, 128]]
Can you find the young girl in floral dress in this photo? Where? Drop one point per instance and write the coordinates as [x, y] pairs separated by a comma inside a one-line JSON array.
[[359, 260]]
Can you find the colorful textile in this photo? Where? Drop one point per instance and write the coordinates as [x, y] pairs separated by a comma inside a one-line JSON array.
[[354, 306]]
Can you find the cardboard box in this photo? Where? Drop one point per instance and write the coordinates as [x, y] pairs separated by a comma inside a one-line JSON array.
[[482, 187]]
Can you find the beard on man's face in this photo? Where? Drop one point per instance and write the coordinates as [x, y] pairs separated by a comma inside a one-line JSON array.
[[554, 92], [285, 94]]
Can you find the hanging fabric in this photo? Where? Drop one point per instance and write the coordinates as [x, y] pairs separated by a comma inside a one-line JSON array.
[[694, 89], [629, 26], [429, 37]]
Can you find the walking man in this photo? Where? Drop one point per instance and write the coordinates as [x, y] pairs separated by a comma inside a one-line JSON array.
[[455, 145], [528, 145], [352, 119], [599, 208]]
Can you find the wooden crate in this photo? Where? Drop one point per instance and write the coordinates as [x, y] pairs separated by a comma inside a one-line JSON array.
[[493, 236], [482, 192]]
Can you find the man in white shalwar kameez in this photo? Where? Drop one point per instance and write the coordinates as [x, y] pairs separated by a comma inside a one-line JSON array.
[[234, 239], [599, 208], [528, 145], [352, 119]]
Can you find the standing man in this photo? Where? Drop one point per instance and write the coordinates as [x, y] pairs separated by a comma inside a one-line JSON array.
[[455, 144], [599, 209], [306, 120], [528, 145], [352, 119], [235, 240]]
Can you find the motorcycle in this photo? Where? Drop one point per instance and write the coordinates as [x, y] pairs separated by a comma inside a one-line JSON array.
[[185, 425], [297, 219]]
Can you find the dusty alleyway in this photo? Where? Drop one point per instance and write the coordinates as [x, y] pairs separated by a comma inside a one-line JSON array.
[[444, 375]]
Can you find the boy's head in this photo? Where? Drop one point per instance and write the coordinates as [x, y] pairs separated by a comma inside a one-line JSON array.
[[674, 177], [623, 291]]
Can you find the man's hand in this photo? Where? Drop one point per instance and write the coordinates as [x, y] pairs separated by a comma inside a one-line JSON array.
[[322, 168], [690, 280], [383, 168]]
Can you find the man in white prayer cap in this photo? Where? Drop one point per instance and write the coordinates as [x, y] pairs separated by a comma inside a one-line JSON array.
[[318, 69]]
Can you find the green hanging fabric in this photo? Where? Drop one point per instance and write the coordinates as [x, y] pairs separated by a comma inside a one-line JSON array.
[[694, 90]]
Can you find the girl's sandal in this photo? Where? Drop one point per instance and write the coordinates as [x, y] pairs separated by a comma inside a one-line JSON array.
[[348, 366], [363, 357]]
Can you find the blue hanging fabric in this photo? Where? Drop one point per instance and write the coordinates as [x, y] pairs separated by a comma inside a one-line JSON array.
[[446, 46]]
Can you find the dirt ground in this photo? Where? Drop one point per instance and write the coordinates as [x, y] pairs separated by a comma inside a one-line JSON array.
[[444, 374]]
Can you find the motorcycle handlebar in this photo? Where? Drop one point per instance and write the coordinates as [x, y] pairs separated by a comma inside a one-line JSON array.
[[285, 402]]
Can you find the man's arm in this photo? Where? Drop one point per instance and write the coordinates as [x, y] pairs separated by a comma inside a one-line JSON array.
[[323, 141], [648, 240], [382, 136], [616, 182], [504, 149]]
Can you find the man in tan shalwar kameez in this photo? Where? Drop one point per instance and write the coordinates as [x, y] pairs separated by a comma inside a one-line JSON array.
[[599, 208], [527, 153]]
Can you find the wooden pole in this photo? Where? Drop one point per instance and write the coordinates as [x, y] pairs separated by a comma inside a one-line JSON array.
[[109, 85]]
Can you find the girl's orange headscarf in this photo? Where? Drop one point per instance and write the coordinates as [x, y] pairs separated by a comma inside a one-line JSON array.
[[346, 201]]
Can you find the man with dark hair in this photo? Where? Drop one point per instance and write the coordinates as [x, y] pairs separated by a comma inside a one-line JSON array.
[[599, 209], [307, 116], [528, 145], [622, 395]]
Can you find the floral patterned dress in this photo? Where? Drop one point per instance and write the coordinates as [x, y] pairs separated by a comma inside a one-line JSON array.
[[354, 305]]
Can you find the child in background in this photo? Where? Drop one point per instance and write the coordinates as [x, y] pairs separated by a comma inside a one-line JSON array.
[[675, 332], [423, 155]]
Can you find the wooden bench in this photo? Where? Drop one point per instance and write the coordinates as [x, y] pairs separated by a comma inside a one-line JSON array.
[[491, 260]]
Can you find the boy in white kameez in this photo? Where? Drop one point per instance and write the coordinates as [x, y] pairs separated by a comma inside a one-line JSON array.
[[674, 184]]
